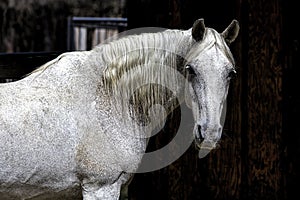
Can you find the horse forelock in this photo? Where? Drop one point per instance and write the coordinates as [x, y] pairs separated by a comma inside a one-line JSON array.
[[221, 43]]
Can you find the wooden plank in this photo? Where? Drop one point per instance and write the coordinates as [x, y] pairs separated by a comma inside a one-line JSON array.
[[80, 38], [101, 35], [86, 32], [264, 125]]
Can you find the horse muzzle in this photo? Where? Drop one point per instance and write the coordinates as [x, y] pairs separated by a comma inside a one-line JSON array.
[[205, 145]]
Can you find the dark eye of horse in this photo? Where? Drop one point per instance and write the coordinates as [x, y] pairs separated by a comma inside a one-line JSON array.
[[190, 70], [232, 74]]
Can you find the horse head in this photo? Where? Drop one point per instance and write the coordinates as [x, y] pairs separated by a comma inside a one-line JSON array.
[[209, 67]]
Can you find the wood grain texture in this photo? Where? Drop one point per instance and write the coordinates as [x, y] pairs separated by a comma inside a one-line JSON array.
[[264, 126]]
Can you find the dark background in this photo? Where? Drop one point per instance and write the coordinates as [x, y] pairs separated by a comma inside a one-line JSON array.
[[259, 154]]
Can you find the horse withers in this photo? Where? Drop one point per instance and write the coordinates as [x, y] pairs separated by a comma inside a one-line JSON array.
[[78, 126]]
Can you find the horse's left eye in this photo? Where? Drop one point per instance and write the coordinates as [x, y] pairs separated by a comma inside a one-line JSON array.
[[232, 74], [190, 70]]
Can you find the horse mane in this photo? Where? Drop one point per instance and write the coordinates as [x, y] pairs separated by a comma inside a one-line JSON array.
[[127, 53], [134, 69]]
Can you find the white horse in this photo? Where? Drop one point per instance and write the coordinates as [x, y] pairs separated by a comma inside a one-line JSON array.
[[78, 126]]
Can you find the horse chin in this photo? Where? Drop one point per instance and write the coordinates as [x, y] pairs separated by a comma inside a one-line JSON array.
[[204, 146]]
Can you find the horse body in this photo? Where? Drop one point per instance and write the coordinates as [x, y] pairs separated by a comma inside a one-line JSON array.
[[50, 130], [65, 128]]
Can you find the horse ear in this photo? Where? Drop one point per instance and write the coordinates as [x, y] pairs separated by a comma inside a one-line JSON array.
[[231, 32], [198, 29]]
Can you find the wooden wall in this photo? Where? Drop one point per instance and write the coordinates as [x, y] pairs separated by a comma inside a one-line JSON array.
[[264, 142], [258, 156], [41, 25]]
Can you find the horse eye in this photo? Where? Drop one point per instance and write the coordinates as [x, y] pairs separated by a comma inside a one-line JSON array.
[[190, 70], [232, 74]]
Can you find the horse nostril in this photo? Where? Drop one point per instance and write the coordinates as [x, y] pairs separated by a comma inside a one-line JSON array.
[[200, 135], [220, 130]]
